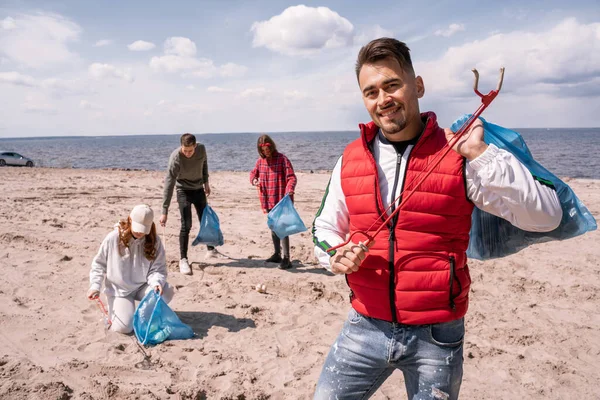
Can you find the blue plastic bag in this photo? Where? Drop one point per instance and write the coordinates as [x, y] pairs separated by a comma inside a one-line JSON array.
[[210, 229], [492, 236], [154, 322], [283, 219]]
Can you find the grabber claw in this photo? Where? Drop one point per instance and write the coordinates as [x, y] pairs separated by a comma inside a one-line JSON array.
[[487, 98]]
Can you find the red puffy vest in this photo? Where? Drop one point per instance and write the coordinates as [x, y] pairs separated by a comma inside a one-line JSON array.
[[417, 272]]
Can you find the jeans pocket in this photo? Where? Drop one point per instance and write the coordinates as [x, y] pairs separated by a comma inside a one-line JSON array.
[[448, 334], [354, 317]]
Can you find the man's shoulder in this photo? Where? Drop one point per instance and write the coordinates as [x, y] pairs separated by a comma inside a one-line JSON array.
[[200, 151], [358, 142], [175, 154]]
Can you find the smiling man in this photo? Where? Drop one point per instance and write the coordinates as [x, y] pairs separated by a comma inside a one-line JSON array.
[[410, 290]]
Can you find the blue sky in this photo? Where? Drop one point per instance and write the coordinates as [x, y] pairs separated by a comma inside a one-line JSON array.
[[144, 67]]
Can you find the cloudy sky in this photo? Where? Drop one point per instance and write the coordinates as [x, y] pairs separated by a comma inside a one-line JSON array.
[[70, 67]]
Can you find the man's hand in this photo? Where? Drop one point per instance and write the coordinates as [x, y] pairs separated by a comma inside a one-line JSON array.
[[471, 144], [93, 294], [347, 259], [255, 182], [163, 220], [158, 289], [207, 189]]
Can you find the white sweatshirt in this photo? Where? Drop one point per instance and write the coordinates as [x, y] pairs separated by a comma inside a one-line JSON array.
[[125, 274], [497, 183]]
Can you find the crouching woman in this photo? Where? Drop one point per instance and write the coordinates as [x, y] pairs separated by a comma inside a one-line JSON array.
[[131, 262]]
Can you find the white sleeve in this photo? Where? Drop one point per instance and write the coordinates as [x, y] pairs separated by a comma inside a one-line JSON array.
[[98, 270], [499, 184], [332, 223], [157, 274]]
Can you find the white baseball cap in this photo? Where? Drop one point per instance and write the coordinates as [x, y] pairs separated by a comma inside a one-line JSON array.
[[142, 218]]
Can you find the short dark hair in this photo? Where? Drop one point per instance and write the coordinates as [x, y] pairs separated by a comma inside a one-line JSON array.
[[187, 139], [265, 139], [382, 48]]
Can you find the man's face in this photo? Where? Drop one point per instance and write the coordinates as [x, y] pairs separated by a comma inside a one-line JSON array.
[[391, 96], [188, 151]]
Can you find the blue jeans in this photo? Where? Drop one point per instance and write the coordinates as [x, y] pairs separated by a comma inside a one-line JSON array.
[[368, 350]]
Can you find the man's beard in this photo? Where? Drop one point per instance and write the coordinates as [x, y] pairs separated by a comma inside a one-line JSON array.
[[396, 126]]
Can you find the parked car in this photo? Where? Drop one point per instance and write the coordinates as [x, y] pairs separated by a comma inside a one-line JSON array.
[[12, 158]]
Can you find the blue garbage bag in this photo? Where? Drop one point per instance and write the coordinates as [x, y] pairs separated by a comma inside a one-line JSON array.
[[154, 322], [210, 229], [283, 219], [493, 237]]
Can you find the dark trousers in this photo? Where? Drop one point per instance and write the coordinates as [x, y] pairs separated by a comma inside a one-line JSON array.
[[277, 243], [185, 199]]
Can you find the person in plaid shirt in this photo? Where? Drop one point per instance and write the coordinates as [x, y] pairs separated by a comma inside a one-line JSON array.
[[274, 176]]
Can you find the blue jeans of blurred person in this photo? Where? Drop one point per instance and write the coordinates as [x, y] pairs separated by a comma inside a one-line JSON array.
[[368, 350]]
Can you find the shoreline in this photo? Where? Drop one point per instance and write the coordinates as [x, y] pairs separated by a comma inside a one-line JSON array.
[[565, 179], [308, 171]]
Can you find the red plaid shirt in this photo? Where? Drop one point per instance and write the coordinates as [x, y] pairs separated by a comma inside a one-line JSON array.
[[276, 178]]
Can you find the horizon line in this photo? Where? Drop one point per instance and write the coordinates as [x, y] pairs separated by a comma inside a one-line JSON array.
[[234, 133]]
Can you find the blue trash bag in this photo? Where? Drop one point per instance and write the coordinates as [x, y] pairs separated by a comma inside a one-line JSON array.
[[283, 219], [210, 229], [493, 237], [154, 322]]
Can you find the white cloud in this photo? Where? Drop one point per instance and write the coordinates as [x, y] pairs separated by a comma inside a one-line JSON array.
[[413, 39], [103, 42], [205, 68], [216, 89], [38, 41], [301, 30], [36, 103], [59, 87], [180, 57], [54, 86], [17, 78], [374, 32], [180, 46], [232, 70], [451, 30], [102, 71], [259, 92], [8, 23], [566, 54], [173, 63], [140, 45], [190, 87]]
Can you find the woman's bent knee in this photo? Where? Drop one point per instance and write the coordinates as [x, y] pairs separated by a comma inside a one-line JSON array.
[[120, 328]]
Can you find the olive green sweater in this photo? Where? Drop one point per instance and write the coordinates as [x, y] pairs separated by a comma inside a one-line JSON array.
[[185, 173]]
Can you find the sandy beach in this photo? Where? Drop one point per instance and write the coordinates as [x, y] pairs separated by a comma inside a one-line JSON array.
[[532, 327]]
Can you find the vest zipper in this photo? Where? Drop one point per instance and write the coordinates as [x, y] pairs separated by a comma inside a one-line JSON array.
[[452, 272], [392, 243]]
